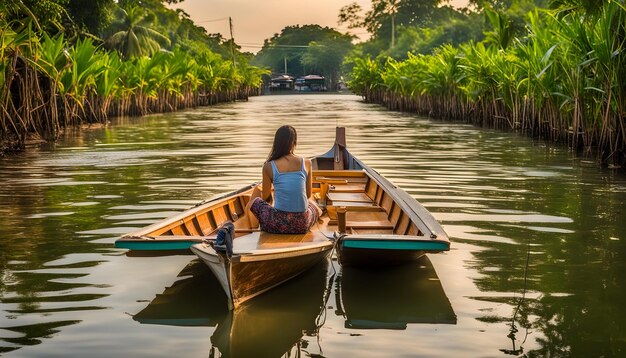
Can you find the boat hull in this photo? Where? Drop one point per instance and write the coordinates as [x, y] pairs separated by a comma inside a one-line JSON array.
[[245, 276]]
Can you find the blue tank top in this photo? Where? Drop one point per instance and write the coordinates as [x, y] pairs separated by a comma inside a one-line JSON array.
[[290, 190]]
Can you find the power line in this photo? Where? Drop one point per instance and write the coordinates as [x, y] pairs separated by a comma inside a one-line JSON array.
[[256, 45], [214, 20]]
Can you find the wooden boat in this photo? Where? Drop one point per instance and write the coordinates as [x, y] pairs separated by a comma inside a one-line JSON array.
[[383, 226], [392, 298]]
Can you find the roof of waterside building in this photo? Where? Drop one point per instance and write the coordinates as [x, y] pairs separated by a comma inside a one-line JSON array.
[[284, 78]]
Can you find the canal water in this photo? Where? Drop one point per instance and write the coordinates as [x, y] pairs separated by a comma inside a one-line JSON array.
[[537, 265]]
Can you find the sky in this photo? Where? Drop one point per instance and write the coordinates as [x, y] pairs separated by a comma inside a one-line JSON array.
[[257, 20]]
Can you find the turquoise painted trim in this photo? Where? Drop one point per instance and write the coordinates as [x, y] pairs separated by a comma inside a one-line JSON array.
[[396, 245], [155, 246]]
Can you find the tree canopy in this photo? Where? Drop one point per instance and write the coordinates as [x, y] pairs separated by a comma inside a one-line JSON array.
[[423, 26], [386, 14], [135, 37]]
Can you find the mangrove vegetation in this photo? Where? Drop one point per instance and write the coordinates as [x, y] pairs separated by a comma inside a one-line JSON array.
[[63, 63], [560, 77]]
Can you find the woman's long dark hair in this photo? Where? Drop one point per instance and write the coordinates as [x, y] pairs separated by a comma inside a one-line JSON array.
[[285, 140]]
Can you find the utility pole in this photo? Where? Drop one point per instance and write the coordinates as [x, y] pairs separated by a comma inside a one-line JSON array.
[[232, 41], [392, 7], [393, 30], [285, 65]]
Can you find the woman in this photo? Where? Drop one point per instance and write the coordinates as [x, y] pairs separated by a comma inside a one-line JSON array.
[[290, 175]]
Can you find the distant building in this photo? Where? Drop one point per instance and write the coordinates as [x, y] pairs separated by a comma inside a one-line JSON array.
[[281, 83], [310, 83]]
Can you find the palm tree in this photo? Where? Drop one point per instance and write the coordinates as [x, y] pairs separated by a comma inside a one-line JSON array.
[[135, 38]]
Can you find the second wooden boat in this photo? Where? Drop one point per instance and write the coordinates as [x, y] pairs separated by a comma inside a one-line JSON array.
[[378, 223]]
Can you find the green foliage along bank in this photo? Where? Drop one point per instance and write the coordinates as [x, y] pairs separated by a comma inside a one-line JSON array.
[[564, 80], [49, 81]]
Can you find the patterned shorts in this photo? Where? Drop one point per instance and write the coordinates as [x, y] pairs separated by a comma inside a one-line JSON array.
[[282, 222]]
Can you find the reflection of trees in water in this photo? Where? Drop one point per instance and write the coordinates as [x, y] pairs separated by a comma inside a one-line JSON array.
[[29, 241], [518, 349], [32, 334], [573, 270], [40, 226]]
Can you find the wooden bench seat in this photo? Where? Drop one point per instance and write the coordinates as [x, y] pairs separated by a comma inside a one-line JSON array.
[[349, 197], [332, 210], [354, 204], [379, 225], [365, 220], [348, 188]]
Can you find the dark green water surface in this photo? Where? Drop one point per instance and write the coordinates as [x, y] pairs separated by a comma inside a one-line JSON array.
[[537, 266]]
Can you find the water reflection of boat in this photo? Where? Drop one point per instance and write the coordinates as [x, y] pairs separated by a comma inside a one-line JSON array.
[[268, 326], [393, 298], [274, 323], [197, 300]]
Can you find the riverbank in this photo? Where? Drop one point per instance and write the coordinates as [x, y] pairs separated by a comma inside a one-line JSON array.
[[49, 84], [583, 144], [14, 143], [562, 81]]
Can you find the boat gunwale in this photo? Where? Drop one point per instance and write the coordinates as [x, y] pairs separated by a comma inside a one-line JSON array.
[[269, 254], [400, 198], [192, 210]]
